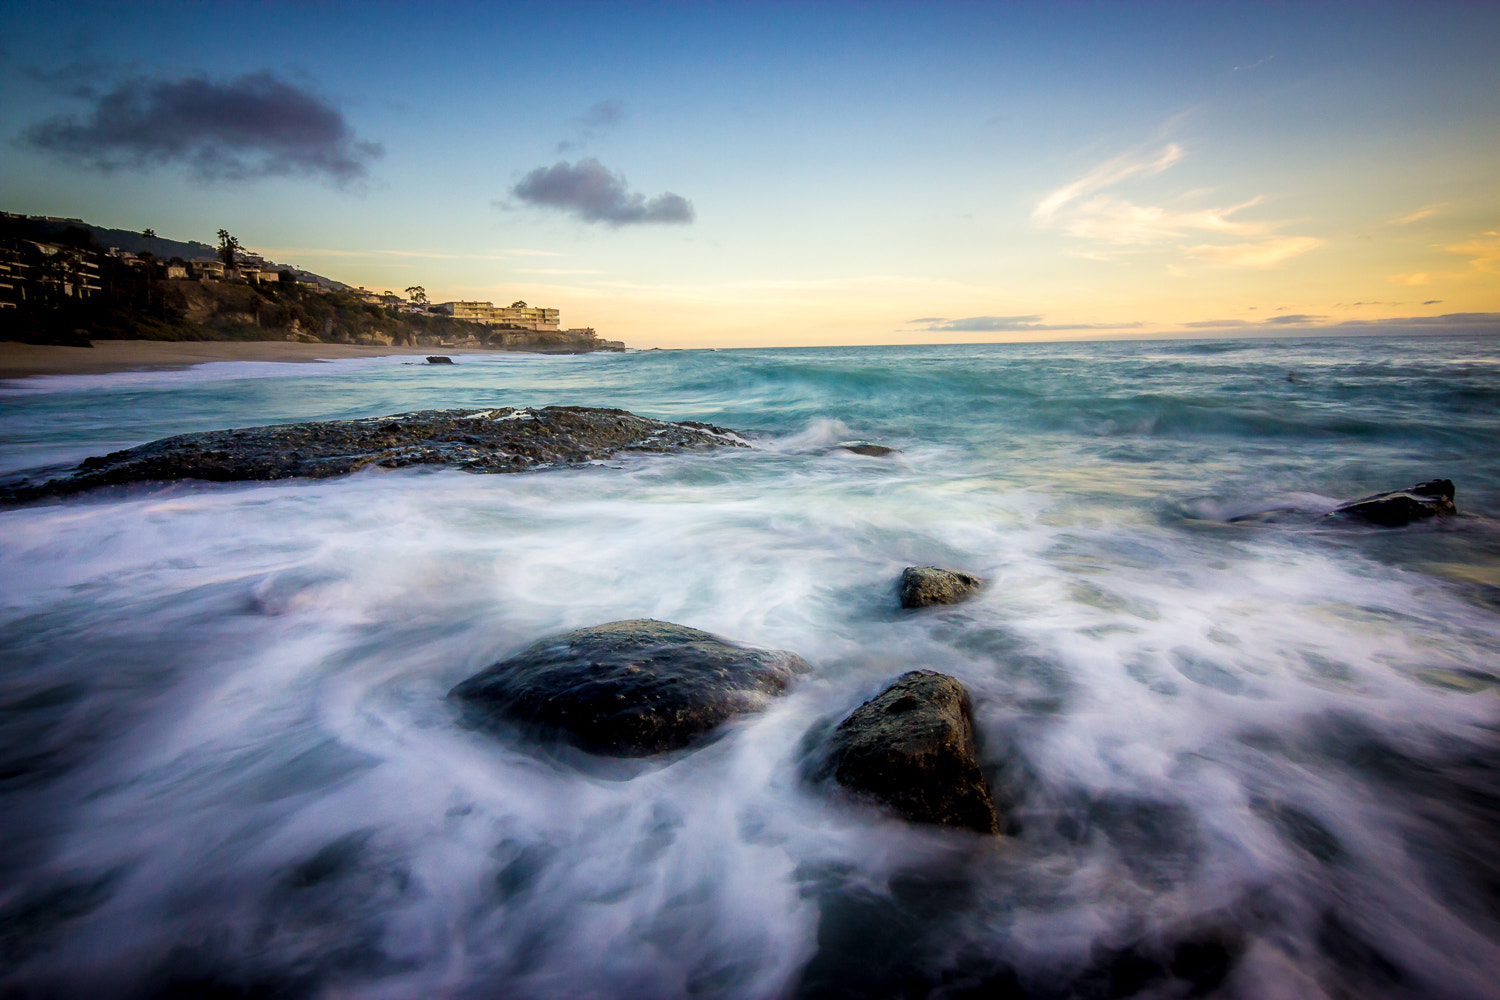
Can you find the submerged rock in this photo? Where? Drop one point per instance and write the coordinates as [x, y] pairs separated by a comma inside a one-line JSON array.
[[866, 448], [1400, 507], [627, 689], [922, 586], [439, 359], [911, 748], [504, 439]]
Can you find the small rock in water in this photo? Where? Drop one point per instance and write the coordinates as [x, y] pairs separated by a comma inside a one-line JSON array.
[[1401, 507], [438, 359], [628, 689], [866, 448], [922, 586], [911, 748]]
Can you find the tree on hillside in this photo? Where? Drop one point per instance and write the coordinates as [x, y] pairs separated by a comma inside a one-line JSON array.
[[417, 294], [149, 233], [228, 247]]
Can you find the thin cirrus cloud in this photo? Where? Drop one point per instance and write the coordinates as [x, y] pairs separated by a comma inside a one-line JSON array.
[[1087, 210], [589, 191], [1483, 251], [1105, 175], [1426, 212], [1259, 254], [1006, 324], [256, 125], [601, 117]]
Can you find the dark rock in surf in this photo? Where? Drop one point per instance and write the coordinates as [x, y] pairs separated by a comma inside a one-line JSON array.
[[911, 748], [866, 448], [503, 439], [923, 586], [1433, 498], [627, 689], [438, 359]]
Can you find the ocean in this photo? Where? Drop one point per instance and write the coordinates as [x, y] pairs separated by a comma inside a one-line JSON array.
[[1250, 756]]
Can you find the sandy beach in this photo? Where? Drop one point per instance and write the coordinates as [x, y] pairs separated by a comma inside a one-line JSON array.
[[24, 360]]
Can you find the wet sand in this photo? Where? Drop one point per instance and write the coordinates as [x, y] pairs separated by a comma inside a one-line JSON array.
[[23, 360]]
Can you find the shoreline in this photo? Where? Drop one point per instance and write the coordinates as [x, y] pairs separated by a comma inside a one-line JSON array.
[[18, 361]]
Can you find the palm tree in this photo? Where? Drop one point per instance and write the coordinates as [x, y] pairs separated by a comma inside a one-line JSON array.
[[228, 247]]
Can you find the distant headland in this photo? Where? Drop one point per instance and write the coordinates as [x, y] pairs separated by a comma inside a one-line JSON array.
[[66, 282]]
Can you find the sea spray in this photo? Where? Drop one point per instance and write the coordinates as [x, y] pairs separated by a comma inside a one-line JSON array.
[[1248, 757]]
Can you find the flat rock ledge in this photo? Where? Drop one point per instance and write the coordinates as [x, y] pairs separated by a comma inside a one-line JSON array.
[[627, 689], [1397, 508], [924, 586], [503, 439], [867, 448], [911, 749]]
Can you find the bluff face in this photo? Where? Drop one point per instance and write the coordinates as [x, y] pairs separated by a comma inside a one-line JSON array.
[[503, 439]]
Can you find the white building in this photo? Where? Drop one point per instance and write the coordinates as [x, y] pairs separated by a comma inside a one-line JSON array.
[[516, 314]]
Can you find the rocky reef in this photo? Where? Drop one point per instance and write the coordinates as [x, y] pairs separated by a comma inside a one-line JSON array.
[[628, 688], [911, 749], [924, 586], [1401, 507], [503, 439]]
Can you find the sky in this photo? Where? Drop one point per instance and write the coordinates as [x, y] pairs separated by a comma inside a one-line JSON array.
[[765, 174]]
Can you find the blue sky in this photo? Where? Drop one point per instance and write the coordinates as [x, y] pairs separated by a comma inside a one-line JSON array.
[[842, 173]]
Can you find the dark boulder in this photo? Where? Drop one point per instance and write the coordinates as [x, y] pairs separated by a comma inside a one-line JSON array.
[[922, 586], [627, 689], [503, 439], [911, 748], [1400, 507], [866, 448], [438, 359]]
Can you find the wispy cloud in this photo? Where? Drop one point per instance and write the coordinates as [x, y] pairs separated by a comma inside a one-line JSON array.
[[1007, 324], [1415, 278], [556, 270], [1426, 212], [1114, 220], [1106, 175], [1261, 254], [589, 191], [1484, 251], [256, 125], [1085, 209], [600, 118]]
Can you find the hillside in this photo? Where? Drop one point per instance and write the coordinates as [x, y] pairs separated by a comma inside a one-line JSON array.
[[61, 286]]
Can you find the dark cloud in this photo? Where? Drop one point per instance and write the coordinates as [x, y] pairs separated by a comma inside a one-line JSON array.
[[1481, 322], [1002, 324], [1292, 319], [1432, 302], [252, 126], [591, 192]]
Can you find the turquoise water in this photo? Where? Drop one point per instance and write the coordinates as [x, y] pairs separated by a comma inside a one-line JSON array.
[[1255, 757]]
